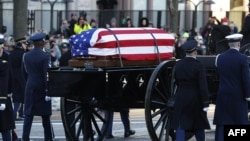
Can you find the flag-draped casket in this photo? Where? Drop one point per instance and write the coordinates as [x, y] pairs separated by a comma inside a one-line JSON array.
[[128, 43]]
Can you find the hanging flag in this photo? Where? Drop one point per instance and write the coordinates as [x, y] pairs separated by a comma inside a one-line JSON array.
[[129, 43]]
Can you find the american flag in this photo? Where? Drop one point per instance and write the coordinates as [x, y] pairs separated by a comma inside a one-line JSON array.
[[130, 43]]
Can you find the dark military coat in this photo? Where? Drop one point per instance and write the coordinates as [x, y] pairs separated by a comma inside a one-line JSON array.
[[6, 116], [246, 31], [191, 95], [18, 81], [36, 66], [234, 81], [5, 56]]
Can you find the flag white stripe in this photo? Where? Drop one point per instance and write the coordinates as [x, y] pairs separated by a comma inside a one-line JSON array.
[[130, 50]]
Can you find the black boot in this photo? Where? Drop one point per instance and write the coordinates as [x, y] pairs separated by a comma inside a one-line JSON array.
[[129, 133]]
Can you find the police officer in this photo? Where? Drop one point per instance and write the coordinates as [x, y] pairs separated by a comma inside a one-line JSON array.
[[36, 101], [234, 91], [6, 112], [191, 103]]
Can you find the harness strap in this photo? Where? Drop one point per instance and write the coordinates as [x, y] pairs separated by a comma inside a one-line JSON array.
[[156, 45]]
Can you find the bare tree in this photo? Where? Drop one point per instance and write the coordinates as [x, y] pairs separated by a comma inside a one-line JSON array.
[[20, 18], [173, 9]]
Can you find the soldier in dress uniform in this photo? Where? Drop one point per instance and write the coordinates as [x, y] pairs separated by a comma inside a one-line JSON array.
[[191, 103], [234, 91], [36, 101], [6, 112]]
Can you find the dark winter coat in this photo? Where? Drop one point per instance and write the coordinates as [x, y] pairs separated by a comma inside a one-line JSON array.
[[246, 31], [36, 66], [5, 56], [191, 95], [18, 81], [64, 60], [217, 42], [234, 81]]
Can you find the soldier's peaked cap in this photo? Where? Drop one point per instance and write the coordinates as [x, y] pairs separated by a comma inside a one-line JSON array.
[[189, 46], [38, 37], [234, 37]]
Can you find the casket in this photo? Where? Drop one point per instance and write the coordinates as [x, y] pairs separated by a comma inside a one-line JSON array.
[[126, 44]]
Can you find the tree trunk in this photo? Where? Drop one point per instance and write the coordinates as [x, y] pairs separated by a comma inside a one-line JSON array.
[[173, 9], [20, 18]]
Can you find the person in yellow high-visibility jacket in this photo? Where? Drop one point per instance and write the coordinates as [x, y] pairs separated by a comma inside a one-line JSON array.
[[81, 25]]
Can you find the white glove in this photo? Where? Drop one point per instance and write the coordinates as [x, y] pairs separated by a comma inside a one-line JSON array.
[[2, 107], [47, 98], [205, 109], [247, 98]]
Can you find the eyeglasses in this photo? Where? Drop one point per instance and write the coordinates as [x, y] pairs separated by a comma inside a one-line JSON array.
[[64, 23]]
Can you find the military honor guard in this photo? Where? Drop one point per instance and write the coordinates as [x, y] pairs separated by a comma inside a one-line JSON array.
[[7, 123], [191, 103], [234, 91], [36, 101]]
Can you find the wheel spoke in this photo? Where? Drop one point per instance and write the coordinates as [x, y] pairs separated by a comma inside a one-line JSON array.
[[160, 120], [73, 101], [95, 125], [158, 93], [163, 85], [81, 119], [158, 112], [74, 110], [102, 119], [158, 104], [77, 118], [80, 127]]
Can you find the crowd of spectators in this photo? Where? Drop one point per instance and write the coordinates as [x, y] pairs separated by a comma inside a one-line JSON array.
[[210, 37]]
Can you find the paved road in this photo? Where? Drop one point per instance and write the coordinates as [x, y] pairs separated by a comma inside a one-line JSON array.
[[137, 122]]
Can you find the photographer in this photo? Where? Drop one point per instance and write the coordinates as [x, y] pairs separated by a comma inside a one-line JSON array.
[[52, 49]]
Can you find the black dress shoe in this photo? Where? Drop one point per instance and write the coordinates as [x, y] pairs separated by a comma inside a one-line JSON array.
[[110, 136], [129, 133]]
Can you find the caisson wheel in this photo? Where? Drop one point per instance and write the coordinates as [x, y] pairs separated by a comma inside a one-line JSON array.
[[157, 112], [159, 101], [82, 120]]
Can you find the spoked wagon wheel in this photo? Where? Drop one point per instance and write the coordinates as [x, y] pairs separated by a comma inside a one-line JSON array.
[[83, 121], [158, 103], [157, 112]]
